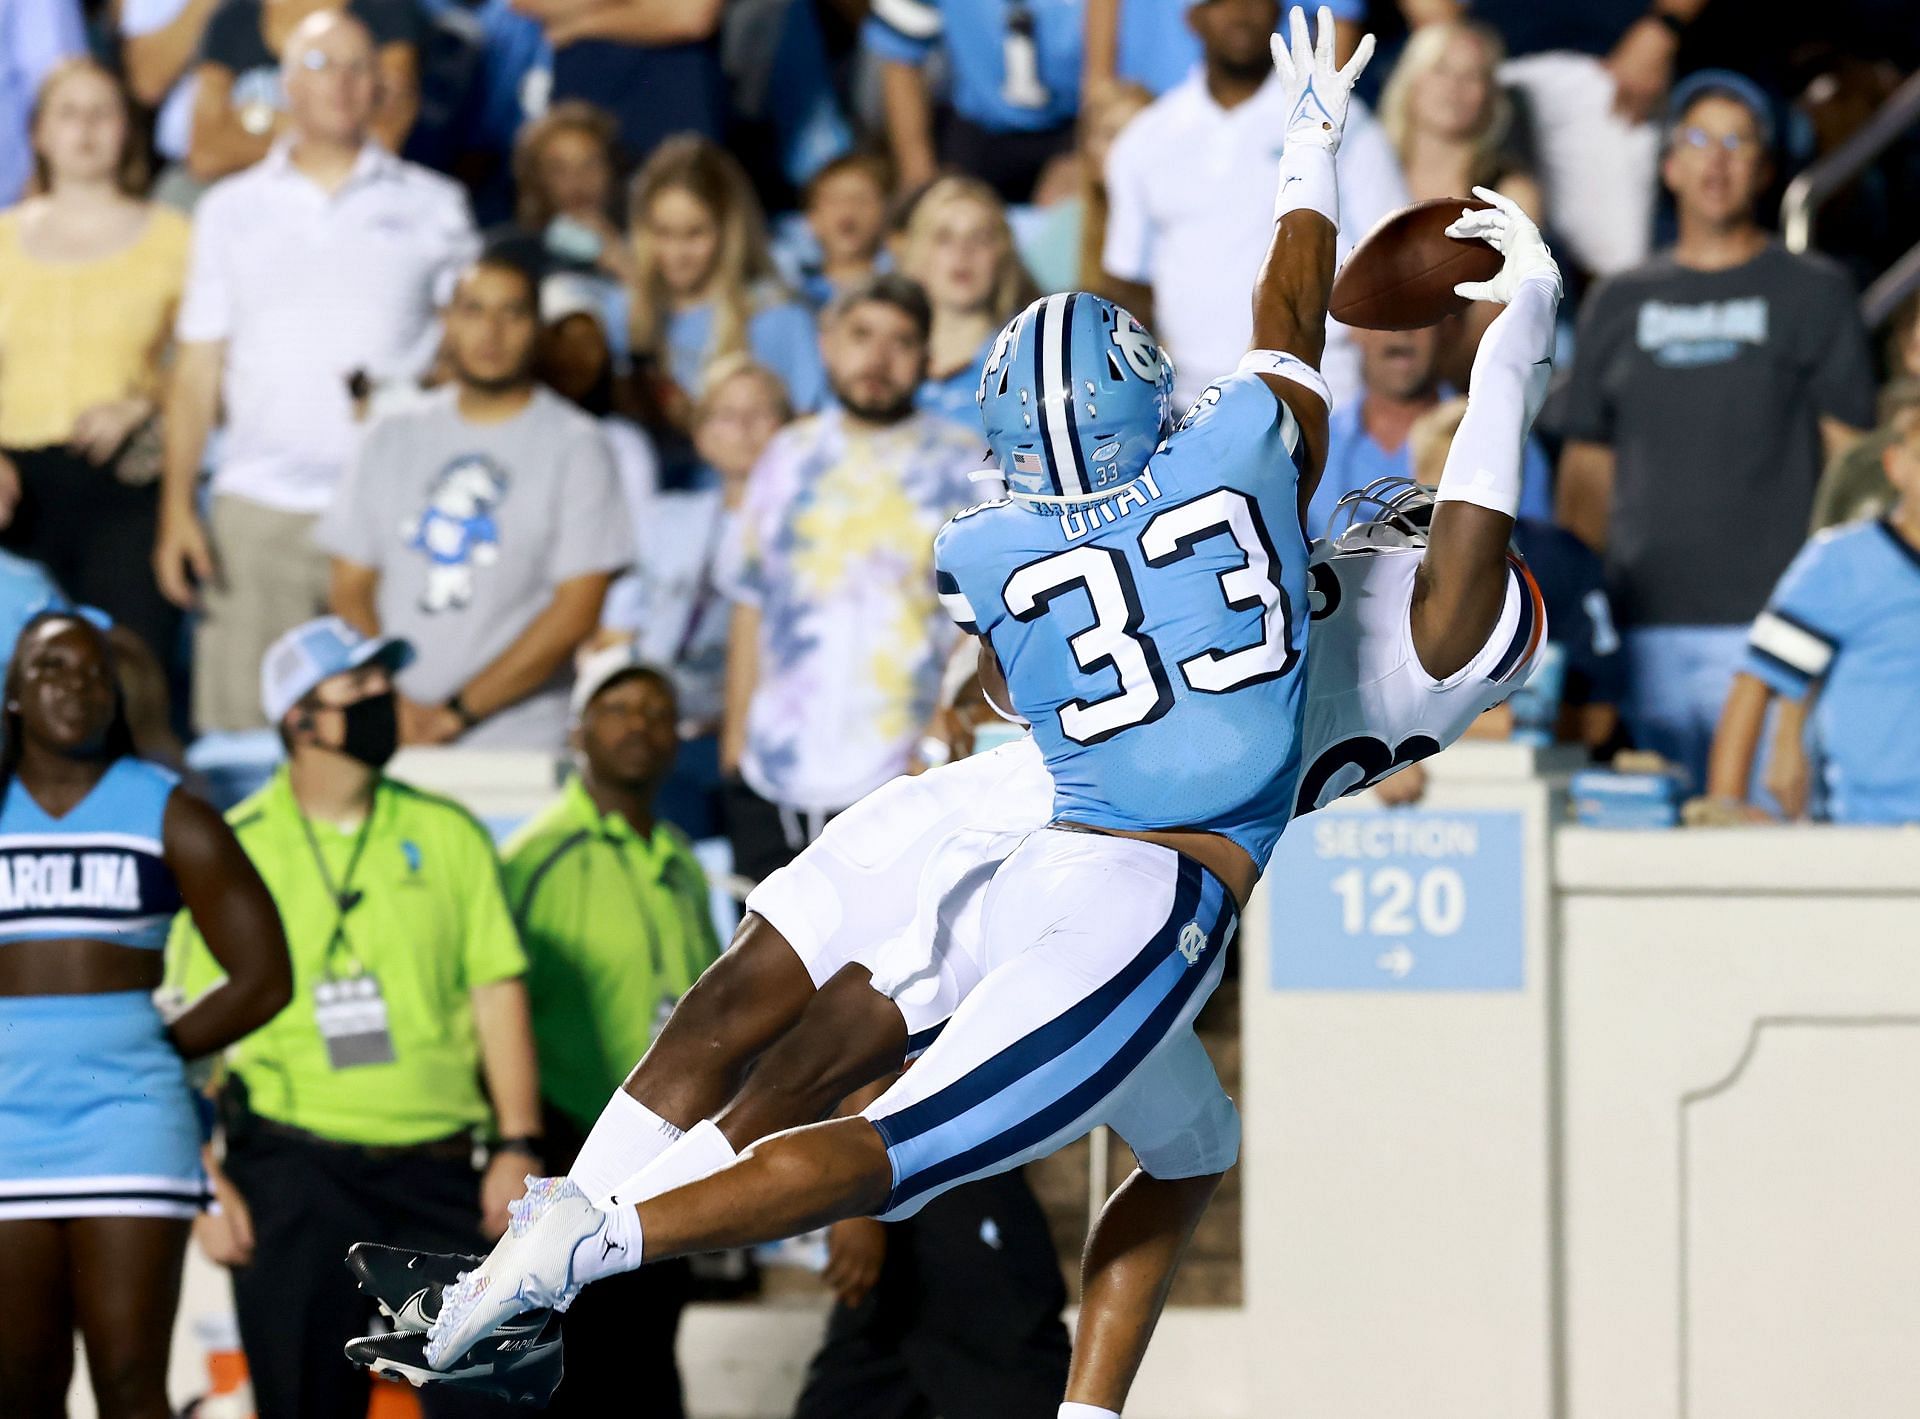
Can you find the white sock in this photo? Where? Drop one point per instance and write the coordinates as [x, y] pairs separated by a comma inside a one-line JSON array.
[[1087, 1411], [702, 1150], [616, 1250], [625, 1138]]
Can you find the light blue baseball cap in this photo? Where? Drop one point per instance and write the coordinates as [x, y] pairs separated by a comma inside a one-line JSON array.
[[317, 650]]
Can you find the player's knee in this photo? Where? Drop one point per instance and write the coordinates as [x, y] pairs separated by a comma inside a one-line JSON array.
[[848, 1036]]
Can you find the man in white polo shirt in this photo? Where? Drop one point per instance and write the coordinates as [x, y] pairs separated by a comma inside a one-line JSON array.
[[312, 271], [1190, 186]]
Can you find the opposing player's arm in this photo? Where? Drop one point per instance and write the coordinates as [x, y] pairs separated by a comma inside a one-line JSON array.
[[1461, 586], [1296, 280]]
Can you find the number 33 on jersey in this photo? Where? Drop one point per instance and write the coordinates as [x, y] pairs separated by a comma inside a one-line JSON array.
[[1153, 638]]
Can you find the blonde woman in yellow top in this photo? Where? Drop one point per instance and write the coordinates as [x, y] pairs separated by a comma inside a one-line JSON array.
[[90, 273]]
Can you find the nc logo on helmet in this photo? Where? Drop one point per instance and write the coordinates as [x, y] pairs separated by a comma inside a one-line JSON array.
[[1074, 398], [1137, 348]]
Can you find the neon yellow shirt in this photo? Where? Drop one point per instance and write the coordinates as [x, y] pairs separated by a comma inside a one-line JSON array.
[[430, 925], [617, 927]]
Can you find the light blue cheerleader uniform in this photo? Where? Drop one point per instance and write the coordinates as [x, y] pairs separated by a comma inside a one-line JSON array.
[[96, 1116]]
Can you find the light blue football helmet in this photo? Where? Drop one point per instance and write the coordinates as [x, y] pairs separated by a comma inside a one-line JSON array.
[[1075, 396]]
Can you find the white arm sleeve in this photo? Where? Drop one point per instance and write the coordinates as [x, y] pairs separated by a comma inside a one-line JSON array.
[[1510, 374]]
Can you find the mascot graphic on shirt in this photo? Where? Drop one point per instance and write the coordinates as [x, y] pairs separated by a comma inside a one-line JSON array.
[[457, 532]]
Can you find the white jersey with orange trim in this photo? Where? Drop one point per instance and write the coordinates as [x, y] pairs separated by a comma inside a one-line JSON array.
[[1371, 707]]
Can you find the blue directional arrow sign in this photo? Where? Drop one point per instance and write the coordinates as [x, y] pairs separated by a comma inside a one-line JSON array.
[[1398, 900]]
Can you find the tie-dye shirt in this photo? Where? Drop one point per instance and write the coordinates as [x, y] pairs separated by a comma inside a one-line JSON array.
[[835, 547]]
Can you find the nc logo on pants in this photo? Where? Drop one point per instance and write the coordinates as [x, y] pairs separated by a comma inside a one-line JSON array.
[[1192, 942]]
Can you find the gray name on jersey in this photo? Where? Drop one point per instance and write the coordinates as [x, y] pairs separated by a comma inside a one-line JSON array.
[[1080, 521]]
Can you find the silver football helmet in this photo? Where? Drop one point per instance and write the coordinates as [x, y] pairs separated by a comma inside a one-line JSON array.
[[1388, 512]]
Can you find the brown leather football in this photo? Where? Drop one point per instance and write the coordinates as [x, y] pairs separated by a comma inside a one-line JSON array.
[[1402, 274]]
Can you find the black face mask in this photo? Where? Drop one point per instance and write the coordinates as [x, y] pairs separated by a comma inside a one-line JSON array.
[[372, 729]]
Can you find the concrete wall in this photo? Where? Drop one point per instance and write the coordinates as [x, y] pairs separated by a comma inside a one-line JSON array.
[[1398, 1128], [1742, 1049]]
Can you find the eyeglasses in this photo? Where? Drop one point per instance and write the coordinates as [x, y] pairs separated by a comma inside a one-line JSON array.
[[317, 61], [1727, 142]]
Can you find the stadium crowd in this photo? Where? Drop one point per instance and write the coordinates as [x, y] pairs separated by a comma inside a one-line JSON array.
[[595, 374]]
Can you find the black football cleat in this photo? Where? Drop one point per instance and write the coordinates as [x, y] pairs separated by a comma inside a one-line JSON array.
[[407, 1284], [519, 1363]]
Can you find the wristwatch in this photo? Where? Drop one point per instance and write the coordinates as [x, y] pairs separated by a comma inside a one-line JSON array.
[[527, 1146], [458, 705]]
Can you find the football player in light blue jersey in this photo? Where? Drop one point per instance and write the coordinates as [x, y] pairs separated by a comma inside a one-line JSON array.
[[1839, 641], [1068, 1027], [1145, 593], [1107, 938]]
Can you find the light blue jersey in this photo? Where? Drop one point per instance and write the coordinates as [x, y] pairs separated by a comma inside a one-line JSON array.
[[1846, 616], [1015, 64], [98, 872], [780, 334], [1153, 639]]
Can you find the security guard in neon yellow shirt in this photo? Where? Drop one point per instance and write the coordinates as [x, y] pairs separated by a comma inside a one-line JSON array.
[[613, 910], [353, 1113]]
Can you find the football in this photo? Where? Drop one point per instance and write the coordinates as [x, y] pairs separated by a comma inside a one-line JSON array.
[[1402, 274]]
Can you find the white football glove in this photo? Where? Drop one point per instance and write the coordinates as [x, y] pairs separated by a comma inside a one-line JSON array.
[[1317, 89], [1511, 232]]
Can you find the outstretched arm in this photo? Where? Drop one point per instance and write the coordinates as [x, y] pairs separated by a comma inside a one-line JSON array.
[[1296, 280], [1462, 583]]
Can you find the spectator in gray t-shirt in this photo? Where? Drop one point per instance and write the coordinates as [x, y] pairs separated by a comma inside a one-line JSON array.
[[483, 526], [1708, 385]]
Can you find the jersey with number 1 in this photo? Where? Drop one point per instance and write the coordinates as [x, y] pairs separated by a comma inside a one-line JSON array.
[[1154, 639]]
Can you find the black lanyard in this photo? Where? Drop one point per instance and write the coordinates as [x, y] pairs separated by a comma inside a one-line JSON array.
[[344, 898]]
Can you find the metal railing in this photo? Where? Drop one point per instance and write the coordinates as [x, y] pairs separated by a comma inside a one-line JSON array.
[[1808, 192], [1812, 189], [1879, 301]]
